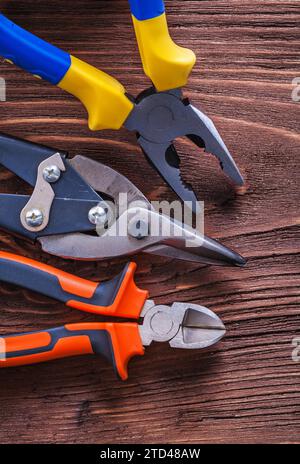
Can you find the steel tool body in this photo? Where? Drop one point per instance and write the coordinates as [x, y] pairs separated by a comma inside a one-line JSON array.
[[158, 116], [68, 215], [183, 325]]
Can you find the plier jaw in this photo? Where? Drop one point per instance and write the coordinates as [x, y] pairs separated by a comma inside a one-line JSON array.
[[183, 325], [159, 118]]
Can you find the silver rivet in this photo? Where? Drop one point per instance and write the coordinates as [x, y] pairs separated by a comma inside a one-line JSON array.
[[138, 229], [162, 322], [34, 218], [97, 215], [51, 173]]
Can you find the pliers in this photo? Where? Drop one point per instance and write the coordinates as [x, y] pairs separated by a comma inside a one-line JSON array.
[[82, 209], [184, 325], [158, 115]]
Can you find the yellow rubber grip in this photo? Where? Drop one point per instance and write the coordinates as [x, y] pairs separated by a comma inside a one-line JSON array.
[[103, 96], [164, 62]]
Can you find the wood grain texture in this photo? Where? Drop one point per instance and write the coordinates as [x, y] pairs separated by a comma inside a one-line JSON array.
[[246, 389]]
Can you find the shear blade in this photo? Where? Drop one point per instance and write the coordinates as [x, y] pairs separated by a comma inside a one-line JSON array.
[[209, 251]]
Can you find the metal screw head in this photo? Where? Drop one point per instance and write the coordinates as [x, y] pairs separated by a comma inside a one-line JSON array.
[[51, 173], [98, 215], [138, 229], [34, 218]]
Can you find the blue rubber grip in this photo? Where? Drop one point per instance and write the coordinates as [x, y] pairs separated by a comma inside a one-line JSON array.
[[31, 53], [146, 9]]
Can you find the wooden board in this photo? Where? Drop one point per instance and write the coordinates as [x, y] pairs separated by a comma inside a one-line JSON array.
[[246, 389]]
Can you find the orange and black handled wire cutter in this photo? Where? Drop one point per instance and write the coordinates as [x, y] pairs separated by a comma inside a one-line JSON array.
[[183, 325]]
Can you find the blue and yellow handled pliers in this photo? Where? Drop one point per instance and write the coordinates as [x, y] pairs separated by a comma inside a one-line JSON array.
[[158, 116]]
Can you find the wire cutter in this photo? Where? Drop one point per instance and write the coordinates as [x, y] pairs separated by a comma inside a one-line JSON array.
[[69, 214], [158, 115], [184, 325]]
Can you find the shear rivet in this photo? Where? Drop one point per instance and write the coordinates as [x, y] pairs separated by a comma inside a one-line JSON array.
[[138, 229], [51, 174], [34, 218], [97, 215]]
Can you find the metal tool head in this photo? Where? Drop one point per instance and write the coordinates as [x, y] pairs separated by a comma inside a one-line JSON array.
[[132, 233], [183, 325], [133, 239], [68, 215], [161, 117], [106, 180]]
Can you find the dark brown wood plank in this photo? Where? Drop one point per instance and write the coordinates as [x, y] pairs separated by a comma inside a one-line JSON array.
[[246, 389]]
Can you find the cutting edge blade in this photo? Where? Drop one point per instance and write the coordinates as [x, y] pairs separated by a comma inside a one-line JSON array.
[[200, 327]]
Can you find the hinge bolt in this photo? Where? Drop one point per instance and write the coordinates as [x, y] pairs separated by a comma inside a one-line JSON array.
[[51, 174], [138, 229], [34, 218], [98, 216]]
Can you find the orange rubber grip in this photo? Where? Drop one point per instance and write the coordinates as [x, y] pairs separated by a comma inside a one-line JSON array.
[[119, 297], [117, 342]]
